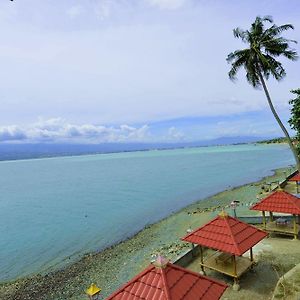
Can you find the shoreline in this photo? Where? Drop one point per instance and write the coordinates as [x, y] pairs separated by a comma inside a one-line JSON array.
[[66, 155], [115, 265]]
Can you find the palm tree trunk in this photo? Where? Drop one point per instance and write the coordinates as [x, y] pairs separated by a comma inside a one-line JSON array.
[[279, 121]]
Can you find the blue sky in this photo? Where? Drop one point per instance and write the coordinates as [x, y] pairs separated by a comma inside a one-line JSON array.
[[133, 70]]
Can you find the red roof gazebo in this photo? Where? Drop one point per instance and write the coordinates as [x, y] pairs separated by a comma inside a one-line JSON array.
[[295, 177], [165, 281], [280, 202], [231, 238]]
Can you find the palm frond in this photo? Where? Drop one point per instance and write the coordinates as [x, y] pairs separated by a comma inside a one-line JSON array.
[[276, 30], [269, 65], [267, 18], [265, 45], [240, 33], [296, 92], [238, 58], [252, 76], [291, 54]]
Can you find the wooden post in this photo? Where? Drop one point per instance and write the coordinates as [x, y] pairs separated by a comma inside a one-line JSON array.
[[295, 227], [193, 248], [234, 266], [271, 217], [201, 260], [201, 254], [236, 285], [251, 254], [264, 219]]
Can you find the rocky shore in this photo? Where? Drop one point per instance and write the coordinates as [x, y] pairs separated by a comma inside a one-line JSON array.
[[114, 266]]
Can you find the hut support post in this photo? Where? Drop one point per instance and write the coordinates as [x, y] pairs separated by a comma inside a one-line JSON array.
[[251, 254], [201, 260], [295, 227], [264, 219], [236, 285], [193, 247], [271, 217], [234, 266]]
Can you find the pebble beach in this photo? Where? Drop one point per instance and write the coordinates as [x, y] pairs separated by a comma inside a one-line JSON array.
[[115, 265]]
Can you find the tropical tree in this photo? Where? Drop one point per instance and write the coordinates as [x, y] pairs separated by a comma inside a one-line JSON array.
[[295, 116], [259, 59]]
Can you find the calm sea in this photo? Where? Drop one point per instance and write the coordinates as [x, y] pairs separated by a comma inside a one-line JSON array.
[[55, 208]]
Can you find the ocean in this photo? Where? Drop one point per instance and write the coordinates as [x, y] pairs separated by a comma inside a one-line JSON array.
[[52, 210]]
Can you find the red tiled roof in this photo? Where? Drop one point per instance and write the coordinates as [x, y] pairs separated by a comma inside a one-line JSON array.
[[170, 282], [296, 177], [226, 234], [279, 201]]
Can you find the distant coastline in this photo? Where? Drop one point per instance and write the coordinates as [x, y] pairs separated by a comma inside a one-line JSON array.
[[11, 151], [281, 140]]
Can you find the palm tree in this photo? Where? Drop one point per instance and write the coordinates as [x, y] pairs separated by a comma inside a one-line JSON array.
[[259, 60]]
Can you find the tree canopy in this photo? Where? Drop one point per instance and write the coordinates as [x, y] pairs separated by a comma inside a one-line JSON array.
[[294, 121], [265, 45]]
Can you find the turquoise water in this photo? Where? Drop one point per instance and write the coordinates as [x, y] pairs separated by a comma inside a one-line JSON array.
[[52, 210]]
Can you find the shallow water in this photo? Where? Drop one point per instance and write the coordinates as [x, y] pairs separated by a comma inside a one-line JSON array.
[[52, 210]]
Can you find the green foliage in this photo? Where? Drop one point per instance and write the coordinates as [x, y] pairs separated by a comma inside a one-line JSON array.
[[265, 45], [294, 121], [275, 141]]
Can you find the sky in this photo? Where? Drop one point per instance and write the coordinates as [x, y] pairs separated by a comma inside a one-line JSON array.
[[97, 71]]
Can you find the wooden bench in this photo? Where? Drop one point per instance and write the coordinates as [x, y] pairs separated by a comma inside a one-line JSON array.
[[222, 257]]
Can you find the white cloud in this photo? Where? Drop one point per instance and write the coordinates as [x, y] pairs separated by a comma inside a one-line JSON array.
[[167, 4], [174, 134], [140, 65], [247, 127], [75, 11], [12, 133], [103, 9], [59, 130]]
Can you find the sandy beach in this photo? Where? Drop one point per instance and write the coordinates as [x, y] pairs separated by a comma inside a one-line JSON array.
[[114, 266]]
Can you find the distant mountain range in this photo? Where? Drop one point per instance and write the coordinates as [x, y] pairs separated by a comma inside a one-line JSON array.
[[25, 151], [232, 140]]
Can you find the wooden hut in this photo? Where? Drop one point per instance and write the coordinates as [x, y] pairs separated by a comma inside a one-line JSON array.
[[280, 202], [165, 281], [230, 239]]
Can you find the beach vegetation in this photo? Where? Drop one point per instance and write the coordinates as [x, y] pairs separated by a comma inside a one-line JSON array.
[[260, 60], [279, 140], [294, 121]]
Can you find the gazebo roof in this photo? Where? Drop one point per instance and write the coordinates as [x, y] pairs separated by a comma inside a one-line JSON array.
[[226, 234], [279, 201], [296, 177], [165, 281]]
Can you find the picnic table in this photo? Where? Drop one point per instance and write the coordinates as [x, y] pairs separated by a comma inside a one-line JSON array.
[[223, 257]]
